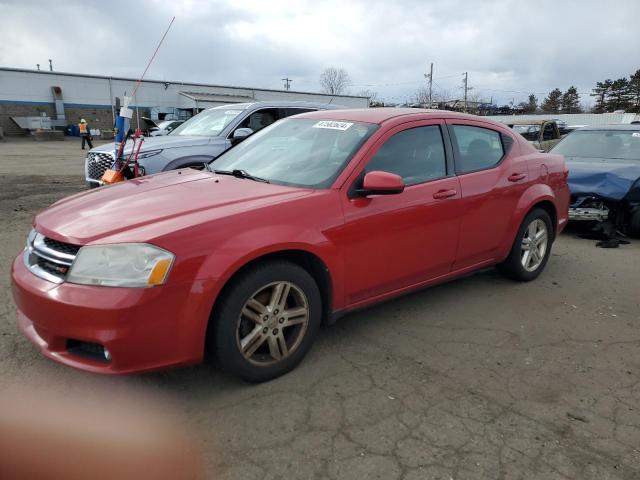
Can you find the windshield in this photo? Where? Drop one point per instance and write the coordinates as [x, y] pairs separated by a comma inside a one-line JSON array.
[[530, 132], [298, 152], [208, 123], [614, 144]]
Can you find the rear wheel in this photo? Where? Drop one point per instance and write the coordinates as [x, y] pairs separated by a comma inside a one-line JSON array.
[[266, 321], [531, 248]]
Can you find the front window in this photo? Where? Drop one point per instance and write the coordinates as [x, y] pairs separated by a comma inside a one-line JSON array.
[[416, 154], [614, 144], [298, 152], [209, 123]]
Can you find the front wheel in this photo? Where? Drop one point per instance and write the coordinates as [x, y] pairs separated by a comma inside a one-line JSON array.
[[531, 248], [634, 223], [266, 321]]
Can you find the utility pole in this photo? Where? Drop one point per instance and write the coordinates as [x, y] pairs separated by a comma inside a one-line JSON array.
[[430, 77], [50, 66], [430, 85], [466, 88], [287, 83]]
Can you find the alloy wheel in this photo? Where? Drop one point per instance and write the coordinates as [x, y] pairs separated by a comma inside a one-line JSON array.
[[272, 323], [534, 245]]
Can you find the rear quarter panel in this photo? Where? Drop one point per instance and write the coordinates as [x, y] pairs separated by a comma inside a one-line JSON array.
[[548, 183]]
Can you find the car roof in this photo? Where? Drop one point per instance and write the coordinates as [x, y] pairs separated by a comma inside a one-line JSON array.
[[278, 104], [380, 115], [619, 126]]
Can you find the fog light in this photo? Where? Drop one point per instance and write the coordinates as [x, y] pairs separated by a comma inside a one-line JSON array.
[[107, 355]]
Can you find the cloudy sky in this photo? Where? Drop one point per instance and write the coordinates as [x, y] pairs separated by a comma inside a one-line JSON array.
[[508, 47]]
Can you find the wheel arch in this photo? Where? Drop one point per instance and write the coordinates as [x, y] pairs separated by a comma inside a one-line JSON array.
[[550, 208], [309, 261], [537, 196]]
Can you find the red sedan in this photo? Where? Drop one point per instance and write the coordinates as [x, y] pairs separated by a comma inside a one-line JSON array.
[[309, 218]]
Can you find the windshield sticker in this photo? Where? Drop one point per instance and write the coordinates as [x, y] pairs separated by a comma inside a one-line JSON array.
[[333, 125], [635, 134], [232, 112]]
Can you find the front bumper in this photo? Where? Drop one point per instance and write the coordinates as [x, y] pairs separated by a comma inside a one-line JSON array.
[[142, 328], [598, 214]]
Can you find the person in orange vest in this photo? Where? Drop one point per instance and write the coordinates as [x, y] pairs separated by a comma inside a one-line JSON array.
[[85, 134]]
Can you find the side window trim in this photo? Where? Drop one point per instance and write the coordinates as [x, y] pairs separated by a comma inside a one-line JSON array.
[[456, 151]]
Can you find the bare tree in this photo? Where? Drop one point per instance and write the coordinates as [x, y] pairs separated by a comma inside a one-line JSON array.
[[334, 80], [371, 95], [422, 96]]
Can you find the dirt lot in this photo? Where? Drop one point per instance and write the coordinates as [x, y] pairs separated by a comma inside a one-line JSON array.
[[480, 378]]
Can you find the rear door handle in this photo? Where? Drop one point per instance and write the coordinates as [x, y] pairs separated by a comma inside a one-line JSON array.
[[442, 194], [516, 177]]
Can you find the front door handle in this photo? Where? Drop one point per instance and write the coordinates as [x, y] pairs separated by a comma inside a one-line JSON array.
[[442, 194], [516, 177]]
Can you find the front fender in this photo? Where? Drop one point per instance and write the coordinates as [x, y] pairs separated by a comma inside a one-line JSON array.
[[218, 268], [533, 195], [237, 251]]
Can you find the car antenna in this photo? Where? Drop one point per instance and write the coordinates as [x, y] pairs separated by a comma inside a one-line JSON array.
[[125, 114]]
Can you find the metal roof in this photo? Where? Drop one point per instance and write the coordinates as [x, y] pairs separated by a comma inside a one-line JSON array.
[[170, 82]]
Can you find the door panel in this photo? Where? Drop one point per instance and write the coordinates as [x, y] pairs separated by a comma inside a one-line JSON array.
[[395, 241], [489, 198]]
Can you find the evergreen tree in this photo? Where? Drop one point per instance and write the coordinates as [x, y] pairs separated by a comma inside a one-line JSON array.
[[570, 102], [601, 92], [553, 102], [532, 106], [619, 97], [634, 90]]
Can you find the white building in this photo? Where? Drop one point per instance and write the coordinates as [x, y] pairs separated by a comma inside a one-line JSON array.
[[27, 93]]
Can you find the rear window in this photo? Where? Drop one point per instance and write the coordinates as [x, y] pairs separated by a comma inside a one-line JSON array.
[[614, 144], [479, 148]]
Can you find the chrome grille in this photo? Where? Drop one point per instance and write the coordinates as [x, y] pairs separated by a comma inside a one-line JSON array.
[[47, 258], [97, 163]]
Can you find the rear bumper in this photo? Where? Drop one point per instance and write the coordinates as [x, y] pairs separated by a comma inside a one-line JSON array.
[[143, 329]]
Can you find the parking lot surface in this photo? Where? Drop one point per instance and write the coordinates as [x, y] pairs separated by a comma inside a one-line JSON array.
[[479, 378]]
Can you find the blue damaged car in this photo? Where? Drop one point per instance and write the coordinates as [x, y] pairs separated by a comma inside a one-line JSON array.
[[604, 176]]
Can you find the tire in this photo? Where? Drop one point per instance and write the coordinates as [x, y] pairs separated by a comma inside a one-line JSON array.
[[259, 328], [514, 265], [634, 223]]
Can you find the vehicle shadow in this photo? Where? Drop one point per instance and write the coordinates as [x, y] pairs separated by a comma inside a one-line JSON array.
[[409, 310]]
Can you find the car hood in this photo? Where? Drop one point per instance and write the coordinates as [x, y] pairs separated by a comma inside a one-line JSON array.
[[161, 143], [605, 178], [148, 207]]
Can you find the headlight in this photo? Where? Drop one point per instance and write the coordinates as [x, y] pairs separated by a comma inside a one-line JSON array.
[[121, 265], [148, 154]]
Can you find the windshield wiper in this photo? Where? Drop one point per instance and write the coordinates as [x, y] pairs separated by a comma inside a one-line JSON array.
[[207, 166], [241, 174]]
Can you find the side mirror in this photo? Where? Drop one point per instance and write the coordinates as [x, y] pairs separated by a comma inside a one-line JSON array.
[[381, 183], [241, 133]]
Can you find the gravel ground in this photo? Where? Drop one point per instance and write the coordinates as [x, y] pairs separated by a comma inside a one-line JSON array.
[[480, 378]]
